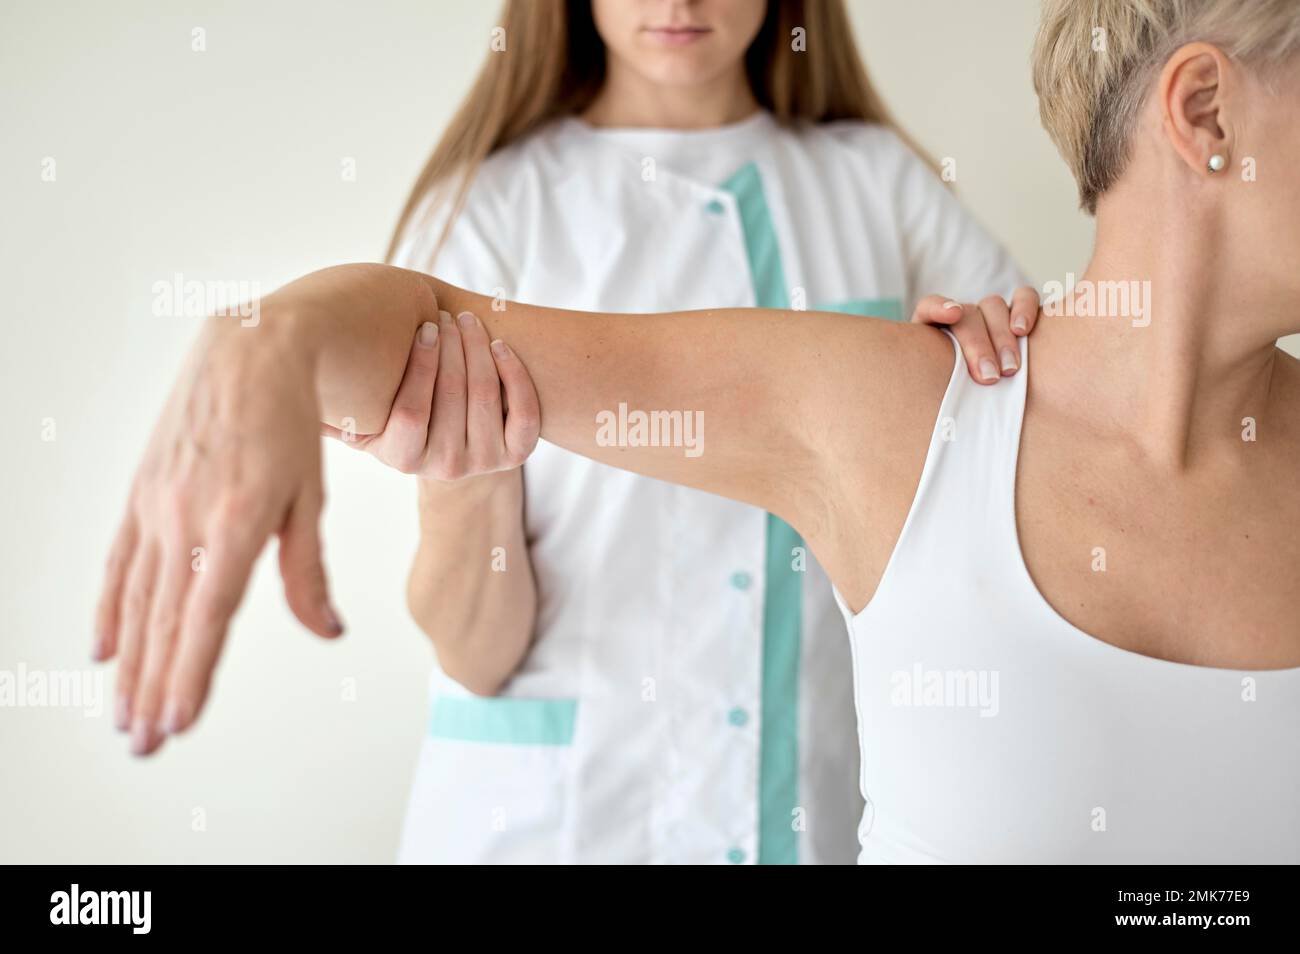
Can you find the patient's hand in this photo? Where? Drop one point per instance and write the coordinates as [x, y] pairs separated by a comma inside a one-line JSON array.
[[234, 459], [449, 420], [986, 332]]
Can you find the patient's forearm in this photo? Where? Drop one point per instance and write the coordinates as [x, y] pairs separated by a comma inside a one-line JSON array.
[[352, 328]]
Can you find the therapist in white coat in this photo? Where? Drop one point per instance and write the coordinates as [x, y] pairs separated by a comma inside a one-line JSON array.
[[630, 671]]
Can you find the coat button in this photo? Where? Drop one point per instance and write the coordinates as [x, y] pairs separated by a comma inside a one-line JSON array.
[[736, 856], [714, 207], [738, 716], [741, 580]]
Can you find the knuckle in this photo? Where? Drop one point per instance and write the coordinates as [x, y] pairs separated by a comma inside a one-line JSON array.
[[116, 563], [164, 623], [993, 301], [484, 462], [177, 541], [135, 604], [483, 396], [425, 362], [527, 423], [212, 612], [451, 468], [451, 384], [405, 459], [407, 417], [233, 508], [175, 502], [527, 431], [238, 510]]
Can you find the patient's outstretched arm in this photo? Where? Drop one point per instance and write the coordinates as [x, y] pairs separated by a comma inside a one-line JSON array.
[[801, 415]]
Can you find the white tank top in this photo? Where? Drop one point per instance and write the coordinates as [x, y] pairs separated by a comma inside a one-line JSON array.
[[992, 730]]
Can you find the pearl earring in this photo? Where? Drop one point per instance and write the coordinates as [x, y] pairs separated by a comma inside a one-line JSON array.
[[1217, 162]]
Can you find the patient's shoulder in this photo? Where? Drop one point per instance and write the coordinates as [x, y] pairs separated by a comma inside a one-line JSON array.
[[893, 380], [885, 380]]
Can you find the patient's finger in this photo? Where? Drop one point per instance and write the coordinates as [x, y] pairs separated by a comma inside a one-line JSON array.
[[175, 575], [212, 601], [1024, 309], [110, 597], [997, 321], [303, 569], [137, 597], [523, 419]]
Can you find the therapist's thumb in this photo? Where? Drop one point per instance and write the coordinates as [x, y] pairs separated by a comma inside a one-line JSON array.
[[523, 423], [937, 310], [302, 568]]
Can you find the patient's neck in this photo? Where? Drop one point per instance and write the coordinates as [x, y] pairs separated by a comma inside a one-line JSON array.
[[1176, 366]]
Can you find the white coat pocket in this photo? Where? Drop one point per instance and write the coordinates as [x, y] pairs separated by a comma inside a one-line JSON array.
[[491, 783]]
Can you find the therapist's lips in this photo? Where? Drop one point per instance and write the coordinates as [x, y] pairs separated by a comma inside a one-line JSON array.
[[677, 36]]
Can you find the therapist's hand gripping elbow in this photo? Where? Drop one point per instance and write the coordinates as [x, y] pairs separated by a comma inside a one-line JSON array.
[[465, 418]]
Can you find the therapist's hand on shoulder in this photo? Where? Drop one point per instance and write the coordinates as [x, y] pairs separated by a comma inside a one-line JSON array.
[[449, 420], [986, 332]]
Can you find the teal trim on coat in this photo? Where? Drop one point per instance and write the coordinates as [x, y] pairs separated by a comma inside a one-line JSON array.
[[504, 721]]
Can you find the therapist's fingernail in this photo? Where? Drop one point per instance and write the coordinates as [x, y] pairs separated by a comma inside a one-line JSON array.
[[1009, 360], [444, 318], [122, 714], [500, 349], [428, 334], [988, 370], [466, 320], [952, 304], [1020, 323]]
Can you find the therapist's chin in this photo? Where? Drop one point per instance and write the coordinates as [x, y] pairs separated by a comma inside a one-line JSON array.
[[678, 68]]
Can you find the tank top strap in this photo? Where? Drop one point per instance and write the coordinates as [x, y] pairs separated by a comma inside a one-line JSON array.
[[962, 520]]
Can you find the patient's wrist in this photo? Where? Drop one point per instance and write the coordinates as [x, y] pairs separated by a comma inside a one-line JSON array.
[[252, 358]]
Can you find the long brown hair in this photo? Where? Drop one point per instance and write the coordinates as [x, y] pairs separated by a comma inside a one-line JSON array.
[[554, 65]]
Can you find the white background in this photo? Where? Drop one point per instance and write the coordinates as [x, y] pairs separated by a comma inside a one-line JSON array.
[[226, 165]]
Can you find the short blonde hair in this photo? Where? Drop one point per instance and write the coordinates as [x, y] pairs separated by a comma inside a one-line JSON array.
[[1094, 62]]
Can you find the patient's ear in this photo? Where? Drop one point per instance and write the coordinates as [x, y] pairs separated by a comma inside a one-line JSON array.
[[1194, 90]]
